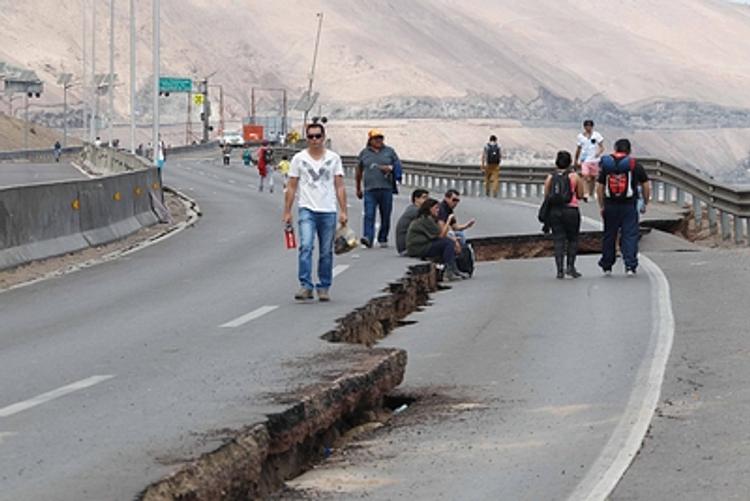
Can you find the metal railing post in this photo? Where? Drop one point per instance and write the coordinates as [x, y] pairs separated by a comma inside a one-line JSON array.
[[738, 230], [712, 226], [726, 228], [697, 211]]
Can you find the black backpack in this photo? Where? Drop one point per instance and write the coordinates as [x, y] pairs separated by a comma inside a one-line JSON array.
[[465, 260], [561, 192], [493, 154]]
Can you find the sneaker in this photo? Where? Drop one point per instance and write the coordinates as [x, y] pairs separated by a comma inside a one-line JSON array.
[[383, 245], [630, 272], [365, 242], [560, 275], [323, 295], [607, 272], [572, 272], [451, 275], [303, 294]]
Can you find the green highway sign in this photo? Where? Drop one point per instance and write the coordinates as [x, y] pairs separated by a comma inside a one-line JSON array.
[[171, 84]]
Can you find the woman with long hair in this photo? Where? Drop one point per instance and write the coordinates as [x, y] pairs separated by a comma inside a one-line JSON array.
[[427, 237]]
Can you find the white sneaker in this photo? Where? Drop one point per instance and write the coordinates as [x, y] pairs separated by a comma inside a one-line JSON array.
[[607, 273], [630, 273]]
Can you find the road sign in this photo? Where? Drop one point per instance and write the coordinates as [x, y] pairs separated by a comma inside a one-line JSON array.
[[171, 84], [198, 99]]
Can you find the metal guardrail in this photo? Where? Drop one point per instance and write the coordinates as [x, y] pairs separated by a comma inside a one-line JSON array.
[[726, 208]]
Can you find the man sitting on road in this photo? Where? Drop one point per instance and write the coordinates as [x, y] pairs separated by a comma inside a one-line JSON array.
[[447, 206], [418, 196], [319, 174], [617, 192]]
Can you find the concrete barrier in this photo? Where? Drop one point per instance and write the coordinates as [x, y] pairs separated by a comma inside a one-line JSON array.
[[46, 220]]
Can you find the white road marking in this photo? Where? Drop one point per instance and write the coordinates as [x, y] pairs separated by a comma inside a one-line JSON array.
[[249, 317], [627, 437], [51, 395], [339, 269]]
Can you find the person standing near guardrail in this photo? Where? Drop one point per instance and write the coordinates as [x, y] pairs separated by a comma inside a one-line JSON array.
[[319, 175], [617, 192], [589, 149], [491, 158], [57, 151], [376, 165]]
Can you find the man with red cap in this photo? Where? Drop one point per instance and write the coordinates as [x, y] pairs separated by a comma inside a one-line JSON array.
[[376, 168]]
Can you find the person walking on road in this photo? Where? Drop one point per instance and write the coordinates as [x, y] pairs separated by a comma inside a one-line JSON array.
[[588, 152], [376, 165], [318, 174], [563, 190], [418, 197], [491, 158], [226, 154], [57, 151], [427, 238], [265, 165], [283, 167], [617, 191]]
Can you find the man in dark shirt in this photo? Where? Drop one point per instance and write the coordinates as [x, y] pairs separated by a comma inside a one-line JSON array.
[[375, 167], [617, 193], [410, 214], [447, 206]]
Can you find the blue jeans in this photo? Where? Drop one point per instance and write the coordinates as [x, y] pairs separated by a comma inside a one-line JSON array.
[[620, 218], [444, 249], [381, 198], [324, 225]]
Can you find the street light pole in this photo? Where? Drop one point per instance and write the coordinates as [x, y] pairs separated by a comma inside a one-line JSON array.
[[111, 86], [26, 121], [94, 86], [155, 50], [65, 115], [84, 93], [132, 76], [314, 61]]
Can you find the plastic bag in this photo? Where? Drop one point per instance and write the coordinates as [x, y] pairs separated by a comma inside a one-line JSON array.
[[345, 240]]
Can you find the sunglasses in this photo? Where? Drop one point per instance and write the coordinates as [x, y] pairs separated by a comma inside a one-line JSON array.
[[455, 200], [314, 136]]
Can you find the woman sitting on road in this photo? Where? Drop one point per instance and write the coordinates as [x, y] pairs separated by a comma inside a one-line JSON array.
[[426, 237], [565, 218]]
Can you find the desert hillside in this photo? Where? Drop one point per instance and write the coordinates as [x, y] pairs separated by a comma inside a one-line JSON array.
[[640, 65]]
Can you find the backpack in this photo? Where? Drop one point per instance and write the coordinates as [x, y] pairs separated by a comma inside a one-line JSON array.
[[268, 155], [493, 154], [465, 260], [618, 183], [561, 191]]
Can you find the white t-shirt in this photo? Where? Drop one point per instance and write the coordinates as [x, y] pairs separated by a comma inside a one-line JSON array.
[[316, 190], [588, 147]]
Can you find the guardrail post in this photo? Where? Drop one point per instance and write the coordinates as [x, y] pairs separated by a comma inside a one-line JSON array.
[[726, 229], [697, 211], [712, 219], [738, 230], [661, 191], [680, 197], [747, 230]]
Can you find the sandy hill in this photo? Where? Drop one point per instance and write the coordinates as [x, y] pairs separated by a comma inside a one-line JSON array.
[[635, 64], [12, 134]]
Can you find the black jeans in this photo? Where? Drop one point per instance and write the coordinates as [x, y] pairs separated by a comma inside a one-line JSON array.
[[566, 225], [443, 248]]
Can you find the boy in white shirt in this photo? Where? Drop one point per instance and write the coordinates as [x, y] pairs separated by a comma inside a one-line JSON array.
[[588, 152]]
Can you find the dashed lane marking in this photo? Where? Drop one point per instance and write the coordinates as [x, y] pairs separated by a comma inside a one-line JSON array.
[[52, 395], [237, 322], [339, 269]]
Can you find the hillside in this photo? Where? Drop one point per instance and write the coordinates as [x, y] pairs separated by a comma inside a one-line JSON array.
[[12, 134], [635, 65]]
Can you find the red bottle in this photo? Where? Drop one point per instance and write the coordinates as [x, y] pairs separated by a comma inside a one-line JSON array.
[[290, 239]]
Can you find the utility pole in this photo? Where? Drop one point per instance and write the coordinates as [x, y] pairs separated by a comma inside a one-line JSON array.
[[132, 76], [314, 61], [155, 141], [206, 113], [189, 125], [111, 86], [84, 56], [26, 121]]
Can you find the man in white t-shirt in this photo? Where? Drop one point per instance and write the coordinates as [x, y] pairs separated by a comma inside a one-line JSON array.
[[589, 151], [319, 175]]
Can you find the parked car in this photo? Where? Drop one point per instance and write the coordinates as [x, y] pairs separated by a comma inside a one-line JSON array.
[[232, 138]]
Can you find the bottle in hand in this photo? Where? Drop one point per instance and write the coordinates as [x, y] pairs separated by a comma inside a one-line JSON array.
[[290, 239]]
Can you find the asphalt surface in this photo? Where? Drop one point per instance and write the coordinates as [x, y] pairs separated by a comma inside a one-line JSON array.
[[14, 174], [114, 374], [522, 380]]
